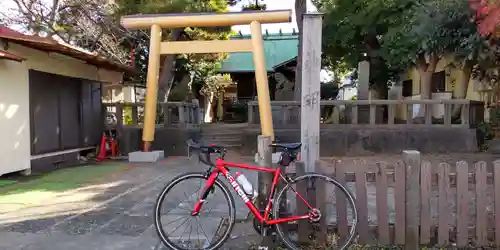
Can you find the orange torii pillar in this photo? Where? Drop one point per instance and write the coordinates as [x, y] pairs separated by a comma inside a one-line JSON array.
[[157, 47]]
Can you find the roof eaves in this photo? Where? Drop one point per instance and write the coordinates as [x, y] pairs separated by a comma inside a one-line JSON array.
[[48, 44], [10, 56], [284, 63], [95, 60]]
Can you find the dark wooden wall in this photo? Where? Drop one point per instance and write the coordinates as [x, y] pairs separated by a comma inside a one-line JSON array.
[[65, 112], [246, 86]]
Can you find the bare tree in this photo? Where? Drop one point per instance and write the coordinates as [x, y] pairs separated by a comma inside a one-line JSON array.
[[85, 23]]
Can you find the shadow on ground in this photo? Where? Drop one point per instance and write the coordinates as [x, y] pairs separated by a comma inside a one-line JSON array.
[[107, 206]]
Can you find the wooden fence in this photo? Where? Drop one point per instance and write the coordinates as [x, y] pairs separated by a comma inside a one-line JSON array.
[[415, 204]]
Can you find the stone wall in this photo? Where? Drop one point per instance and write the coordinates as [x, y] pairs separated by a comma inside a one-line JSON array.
[[347, 141], [170, 140], [342, 141]]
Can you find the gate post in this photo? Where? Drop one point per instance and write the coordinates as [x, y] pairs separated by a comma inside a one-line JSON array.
[[412, 160], [315, 194], [310, 102], [265, 181]]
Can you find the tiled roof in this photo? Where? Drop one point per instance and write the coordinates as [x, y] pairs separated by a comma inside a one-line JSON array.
[[278, 48], [51, 45]]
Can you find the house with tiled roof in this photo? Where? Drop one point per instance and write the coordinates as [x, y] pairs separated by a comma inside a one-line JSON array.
[[50, 100]]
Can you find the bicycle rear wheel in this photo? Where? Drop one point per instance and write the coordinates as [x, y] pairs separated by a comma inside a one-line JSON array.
[[296, 239], [179, 201]]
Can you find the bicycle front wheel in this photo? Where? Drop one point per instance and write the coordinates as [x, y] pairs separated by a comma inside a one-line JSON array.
[[299, 235], [179, 229]]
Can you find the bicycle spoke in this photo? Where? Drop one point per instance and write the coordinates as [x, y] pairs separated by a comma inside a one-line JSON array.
[[198, 220], [187, 199], [175, 220], [198, 233], [297, 235], [175, 229], [179, 215], [190, 229], [199, 187]]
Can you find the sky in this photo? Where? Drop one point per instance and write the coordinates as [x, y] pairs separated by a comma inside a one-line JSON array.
[[273, 5]]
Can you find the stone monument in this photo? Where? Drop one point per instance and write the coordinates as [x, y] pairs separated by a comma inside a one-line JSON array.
[[284, 92], [284, 88], [363, 91]]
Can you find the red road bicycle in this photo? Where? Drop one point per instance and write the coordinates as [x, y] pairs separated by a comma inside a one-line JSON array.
[[210, 184]]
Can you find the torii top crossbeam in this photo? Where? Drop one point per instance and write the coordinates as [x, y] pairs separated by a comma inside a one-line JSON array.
[[205, 19], [156, 47]]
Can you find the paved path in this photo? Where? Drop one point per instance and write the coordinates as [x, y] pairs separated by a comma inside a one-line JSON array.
[[113, 215], [117, 214]]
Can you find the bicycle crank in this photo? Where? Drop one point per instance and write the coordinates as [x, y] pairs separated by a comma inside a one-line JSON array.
[[257, 225], [315, 215]]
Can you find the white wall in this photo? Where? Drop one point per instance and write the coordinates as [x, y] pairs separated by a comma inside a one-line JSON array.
[[437, 110], [14, 117], [118, 93], [347, 93], [15, 150]]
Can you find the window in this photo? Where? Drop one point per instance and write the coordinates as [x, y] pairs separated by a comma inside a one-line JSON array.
[[438, 83], [407, 88]]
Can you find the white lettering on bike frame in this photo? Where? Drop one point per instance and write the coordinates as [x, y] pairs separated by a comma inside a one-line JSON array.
[[237, 187]]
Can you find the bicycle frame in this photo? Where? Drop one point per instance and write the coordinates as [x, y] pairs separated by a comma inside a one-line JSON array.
[[221, 167]]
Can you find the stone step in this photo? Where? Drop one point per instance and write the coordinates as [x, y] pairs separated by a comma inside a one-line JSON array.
[[225, 125], [228, 145], [222, 143], [222, 127], [219, 140], [221, 136], [225, 135], [219, 131]]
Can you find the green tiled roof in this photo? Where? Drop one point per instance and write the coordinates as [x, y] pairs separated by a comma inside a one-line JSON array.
[[278, 48]]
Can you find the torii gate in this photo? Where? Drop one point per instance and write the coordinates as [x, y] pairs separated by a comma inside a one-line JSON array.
[[157, 47]]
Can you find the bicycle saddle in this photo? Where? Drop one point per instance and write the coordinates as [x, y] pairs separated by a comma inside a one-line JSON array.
[[287, 146]]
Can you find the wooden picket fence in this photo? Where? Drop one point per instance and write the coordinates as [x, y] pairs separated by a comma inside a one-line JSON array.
[[418, 204]]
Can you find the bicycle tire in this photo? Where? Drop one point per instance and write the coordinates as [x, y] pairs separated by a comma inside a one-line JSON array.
[[157, 212], [350, 199]]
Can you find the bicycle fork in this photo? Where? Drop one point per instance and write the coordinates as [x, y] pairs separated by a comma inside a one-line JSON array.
[[209, 186]]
